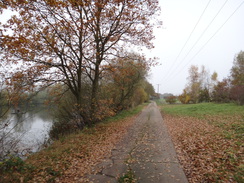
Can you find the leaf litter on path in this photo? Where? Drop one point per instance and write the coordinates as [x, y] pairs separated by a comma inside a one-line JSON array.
[[81, 152]]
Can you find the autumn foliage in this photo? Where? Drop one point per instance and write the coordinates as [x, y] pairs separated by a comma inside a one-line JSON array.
[[126, 81], [184, 97], [171, 99], [203, 88], [70, 158], [221, 91], [72, 43]]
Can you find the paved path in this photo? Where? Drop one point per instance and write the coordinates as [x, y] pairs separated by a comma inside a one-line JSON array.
[[146, 150]]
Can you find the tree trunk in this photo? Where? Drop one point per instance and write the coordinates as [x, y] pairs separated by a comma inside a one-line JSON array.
[[94, 99]]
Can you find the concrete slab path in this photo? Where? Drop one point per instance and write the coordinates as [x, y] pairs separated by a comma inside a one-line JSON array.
[[146, 151]]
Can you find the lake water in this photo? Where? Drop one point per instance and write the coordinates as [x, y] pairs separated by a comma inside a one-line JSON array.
[[30, 129]]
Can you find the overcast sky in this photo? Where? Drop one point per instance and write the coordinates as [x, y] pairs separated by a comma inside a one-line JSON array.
[[196, 32]]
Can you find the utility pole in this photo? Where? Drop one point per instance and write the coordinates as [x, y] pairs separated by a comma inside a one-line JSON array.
[[158, 91], [158, 87]]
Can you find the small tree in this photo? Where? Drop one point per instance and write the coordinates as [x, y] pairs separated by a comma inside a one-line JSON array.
[[149, 89], [237, 94], [237, 79], [171, 99], [140, 96], [125, 76], [237, 70], [184, 98], [221, 91], [204, 95], [194, 83]]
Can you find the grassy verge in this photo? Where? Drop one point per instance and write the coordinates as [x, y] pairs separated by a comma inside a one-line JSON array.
[[203, 109], [229, 117], [126, 113], [160, 102], [73, 156], [209, 140]]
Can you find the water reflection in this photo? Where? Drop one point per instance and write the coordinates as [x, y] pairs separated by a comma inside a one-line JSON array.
[[31, 128]]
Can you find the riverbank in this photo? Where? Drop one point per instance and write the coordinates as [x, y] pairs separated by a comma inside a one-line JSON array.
[[75, 153]]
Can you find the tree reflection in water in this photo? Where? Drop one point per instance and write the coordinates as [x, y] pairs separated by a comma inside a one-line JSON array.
[[25, 132]]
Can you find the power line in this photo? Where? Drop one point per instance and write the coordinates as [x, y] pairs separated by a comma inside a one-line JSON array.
[[203, 32], [211, 37], [188, 38]]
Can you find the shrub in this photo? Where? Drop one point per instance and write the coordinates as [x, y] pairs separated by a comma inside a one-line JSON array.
[[237, 94], [204, 95], [171, 99], [185, 98], [14, 164], [221, 92]]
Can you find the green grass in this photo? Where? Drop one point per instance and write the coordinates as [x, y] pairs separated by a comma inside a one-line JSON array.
[[52, 161], [234, 127], [229, 118], [127, 113], [202, 109], [129, 177], [160, 101]]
